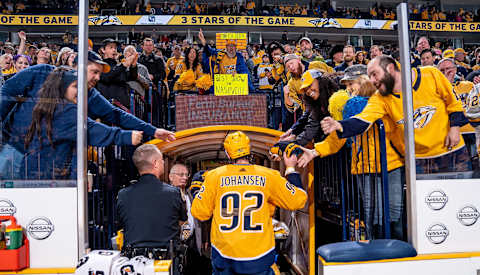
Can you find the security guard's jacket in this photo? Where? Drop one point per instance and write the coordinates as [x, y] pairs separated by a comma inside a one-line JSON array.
[[149, 211]]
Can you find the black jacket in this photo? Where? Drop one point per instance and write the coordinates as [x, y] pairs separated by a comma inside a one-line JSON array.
[[149, 211], [307, 128], [113, 85], [155, 66]]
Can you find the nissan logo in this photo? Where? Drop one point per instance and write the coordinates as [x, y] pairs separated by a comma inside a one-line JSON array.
[[7, 208], [437, 233], [436, 200], [468, 215], [40, 228]]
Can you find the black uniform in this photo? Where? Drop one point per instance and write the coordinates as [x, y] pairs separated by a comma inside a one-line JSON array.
[[113, 85], [149, 212], [155, 66]]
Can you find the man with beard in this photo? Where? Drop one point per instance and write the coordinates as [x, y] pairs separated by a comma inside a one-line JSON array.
[[348, 58], [438, 116], [224, 62], [294, 67], [306, 47]]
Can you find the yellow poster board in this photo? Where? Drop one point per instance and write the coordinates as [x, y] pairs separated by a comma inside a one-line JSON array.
[[227, 84], [240, 39]]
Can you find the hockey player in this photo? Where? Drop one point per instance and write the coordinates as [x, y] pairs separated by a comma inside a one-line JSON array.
[[241, 197]]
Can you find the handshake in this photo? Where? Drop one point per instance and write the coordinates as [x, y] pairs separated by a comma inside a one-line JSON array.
[[292, 150], [286, 147]]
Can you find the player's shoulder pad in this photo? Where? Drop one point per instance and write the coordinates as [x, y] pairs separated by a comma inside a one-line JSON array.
[[266, 170], [216, 171]]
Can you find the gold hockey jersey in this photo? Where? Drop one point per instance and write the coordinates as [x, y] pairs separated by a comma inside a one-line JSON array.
[[241, 198]]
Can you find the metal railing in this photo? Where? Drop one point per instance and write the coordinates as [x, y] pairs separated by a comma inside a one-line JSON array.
[[110, 169], [351, 195]]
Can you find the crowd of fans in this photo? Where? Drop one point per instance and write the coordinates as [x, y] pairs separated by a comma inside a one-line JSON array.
[[322, 9], [171, 59], [311, 84]]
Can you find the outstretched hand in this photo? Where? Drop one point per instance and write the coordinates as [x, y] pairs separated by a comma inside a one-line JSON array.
[[306, 157], [202, 37], [22, 35], [287, 136], [164, 135], [137, 137], [290, 161], [329, 125]]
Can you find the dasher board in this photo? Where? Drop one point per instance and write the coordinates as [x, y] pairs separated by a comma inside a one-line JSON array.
[[435, 264]]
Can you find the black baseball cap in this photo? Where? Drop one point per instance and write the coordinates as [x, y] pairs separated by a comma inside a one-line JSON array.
[[110, 41], [353, 72], [336, 49], [95, 57]]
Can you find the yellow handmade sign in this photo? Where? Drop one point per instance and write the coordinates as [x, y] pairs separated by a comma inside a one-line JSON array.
[[239, 38], [228, 84], [232, 35]]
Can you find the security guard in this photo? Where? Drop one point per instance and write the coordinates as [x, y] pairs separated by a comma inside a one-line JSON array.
[[150, 211], [241, 197]]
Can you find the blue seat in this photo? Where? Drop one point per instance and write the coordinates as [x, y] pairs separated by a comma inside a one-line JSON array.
[[368, 251]]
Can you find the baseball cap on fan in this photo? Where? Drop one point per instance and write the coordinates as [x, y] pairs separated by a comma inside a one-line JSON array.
[[353, 72], [94, 57], [306, 39], [308, 77]]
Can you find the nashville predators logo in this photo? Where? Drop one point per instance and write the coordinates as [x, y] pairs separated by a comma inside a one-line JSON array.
[[421, 116], [230, 69], [325, 23], [106, 20], [127, 270]]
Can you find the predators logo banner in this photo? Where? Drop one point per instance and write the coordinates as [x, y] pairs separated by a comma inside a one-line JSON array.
[[226, 20]]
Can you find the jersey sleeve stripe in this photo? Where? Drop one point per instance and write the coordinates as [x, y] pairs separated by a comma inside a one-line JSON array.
[[352, 127]]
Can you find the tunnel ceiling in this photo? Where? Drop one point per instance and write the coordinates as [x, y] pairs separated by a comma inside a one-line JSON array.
[[206, 143]]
